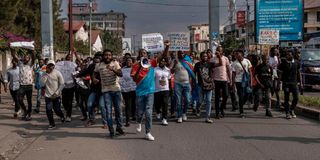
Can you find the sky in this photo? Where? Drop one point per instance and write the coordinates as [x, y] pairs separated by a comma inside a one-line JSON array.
[[147, 18]]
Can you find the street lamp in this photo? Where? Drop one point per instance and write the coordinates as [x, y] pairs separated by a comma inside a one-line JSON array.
[[90, 27]]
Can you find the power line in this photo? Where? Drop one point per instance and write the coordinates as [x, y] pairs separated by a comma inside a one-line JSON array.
[[169, 4]]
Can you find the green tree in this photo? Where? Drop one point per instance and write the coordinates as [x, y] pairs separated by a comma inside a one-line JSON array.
[[230, 44], [112, 42]]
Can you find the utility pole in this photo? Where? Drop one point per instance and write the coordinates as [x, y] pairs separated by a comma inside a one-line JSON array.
[[70, 28], [90, 28], [47, 29], [247, 25], [214, 21], [134, 44]]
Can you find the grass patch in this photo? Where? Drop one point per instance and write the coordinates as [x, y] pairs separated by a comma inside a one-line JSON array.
[[308, 101]]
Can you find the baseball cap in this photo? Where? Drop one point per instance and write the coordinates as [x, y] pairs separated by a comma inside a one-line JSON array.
[[51, 62]]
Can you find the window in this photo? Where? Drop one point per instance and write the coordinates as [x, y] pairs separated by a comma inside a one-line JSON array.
[[318, 16], [318, 28], [305, 18], [305, 30]]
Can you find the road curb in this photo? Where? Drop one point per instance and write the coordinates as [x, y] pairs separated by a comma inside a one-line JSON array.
[[304, 111]]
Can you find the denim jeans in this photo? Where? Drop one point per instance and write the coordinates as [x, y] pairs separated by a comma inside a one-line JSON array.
[[54, 104], [113, 98], [38, 99], [93, 100], [182, 93], [205, 97], [242, 95], [145, 106]]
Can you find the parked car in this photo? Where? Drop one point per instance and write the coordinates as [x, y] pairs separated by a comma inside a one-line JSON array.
[[310, 67]]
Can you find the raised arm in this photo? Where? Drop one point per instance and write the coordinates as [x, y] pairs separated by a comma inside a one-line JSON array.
[[165, 53]]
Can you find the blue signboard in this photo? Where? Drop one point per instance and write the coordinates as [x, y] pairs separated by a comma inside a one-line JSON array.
[[283, 15]]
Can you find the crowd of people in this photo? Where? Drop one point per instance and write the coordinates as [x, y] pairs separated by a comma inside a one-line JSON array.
[[174, 80]]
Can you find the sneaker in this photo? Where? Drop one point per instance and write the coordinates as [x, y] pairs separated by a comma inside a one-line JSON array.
[[90, 123], [68, 119], [293, 114], [120, 131], [268, 113], [194, 111], [52, 127], [164, 122], [105, 126], [158, 116], [63, 120], [242, 115], [83, 119], [198, 113], [139, 128], [28, 118], [288, 116], [127, 124], [36, 111], [208, 120], [111, 135], [184, 117], [149, 137], [179, 120]]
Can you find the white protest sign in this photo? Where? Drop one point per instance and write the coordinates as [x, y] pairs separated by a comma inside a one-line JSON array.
[[180, 41], [269, 36], [66, 68], [152, 42], [126, 45]]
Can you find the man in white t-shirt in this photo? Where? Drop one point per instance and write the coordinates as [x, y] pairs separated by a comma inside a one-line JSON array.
[[241, 78], [163, 75]]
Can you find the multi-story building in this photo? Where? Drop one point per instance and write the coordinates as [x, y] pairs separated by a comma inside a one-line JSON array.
[[311, 16], [199, 37], [109, 21]]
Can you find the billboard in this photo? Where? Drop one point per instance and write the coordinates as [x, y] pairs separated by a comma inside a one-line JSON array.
[[241, 18], [283, 15], [269, 37]]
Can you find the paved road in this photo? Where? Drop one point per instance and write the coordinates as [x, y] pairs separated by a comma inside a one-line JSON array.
[[251, 138]]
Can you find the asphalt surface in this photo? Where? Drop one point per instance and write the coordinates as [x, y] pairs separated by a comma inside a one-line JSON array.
[[252, 138]]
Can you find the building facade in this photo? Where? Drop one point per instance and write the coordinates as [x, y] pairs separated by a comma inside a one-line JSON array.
[[109, 21], [311, 16], [199, 37]]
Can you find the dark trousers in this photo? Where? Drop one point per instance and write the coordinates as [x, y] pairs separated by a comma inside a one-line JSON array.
[[256, 96], [243, 96], [221, 90], [130, 105], [83, 101], [234, 100], [275, 90], [14, 95], [172, 102], [162, 103], [25, 90], [290, 88], [67, 99], [53, 104]]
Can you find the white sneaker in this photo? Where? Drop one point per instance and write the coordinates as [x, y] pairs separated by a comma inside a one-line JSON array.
[[158, 116], [68, 119], [184, 117], [179, 120], [149, 137], [139, 128], [164, 122]]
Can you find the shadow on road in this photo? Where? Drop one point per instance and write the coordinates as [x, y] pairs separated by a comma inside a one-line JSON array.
[[303, 140]]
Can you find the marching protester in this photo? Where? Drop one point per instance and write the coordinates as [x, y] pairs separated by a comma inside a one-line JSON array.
[[221, 77], [263, 76], [128, 88], [162, 76], [53, 83], [241, 78], [83, 89], [39, 70], [183, 73], [203, 71], [144, 76], [274, 63], [110, 71], [12, 77], [26, 83], [291, 78], [232, 91]]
